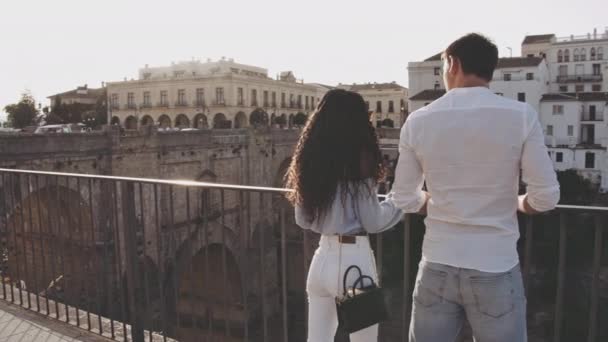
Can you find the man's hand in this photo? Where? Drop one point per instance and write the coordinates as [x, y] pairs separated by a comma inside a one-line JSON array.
[[524, 206]]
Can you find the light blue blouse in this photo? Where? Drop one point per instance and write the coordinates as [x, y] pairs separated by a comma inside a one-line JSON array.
[[358, 215]]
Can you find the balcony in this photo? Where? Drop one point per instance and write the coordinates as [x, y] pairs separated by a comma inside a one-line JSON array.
[[130, 106], [114, 106], [219, 103], [591, 116], [199, 104], [115, 288], [181, 104], [162, 104], [266, 105], [579, 78], [146, 105]]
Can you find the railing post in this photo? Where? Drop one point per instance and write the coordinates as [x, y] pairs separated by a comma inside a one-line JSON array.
[[134, 290]]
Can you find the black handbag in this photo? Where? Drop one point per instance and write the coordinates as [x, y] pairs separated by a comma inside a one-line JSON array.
[[361, 305]]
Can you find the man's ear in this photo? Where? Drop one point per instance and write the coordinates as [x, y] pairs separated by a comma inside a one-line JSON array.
[[453, 65]]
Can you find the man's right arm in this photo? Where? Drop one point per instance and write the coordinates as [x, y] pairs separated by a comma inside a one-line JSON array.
[[407, 191], [537, 171]]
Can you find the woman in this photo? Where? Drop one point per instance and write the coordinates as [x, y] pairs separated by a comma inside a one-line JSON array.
[[334, 175]]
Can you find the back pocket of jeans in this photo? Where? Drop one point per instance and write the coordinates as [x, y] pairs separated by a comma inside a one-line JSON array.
[[429, 287], [493, 294]]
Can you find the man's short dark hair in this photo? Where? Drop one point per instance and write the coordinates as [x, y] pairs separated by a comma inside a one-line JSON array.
[[476, 53]]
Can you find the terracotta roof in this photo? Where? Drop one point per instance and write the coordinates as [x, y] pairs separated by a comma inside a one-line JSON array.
[[436, 57], [428, 95], [513, 62], [584, 97], [377, 86], [90, 92], [539, 38]]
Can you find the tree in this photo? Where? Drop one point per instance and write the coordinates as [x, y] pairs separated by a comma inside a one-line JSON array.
[[22, 113], [575, 189], [300, 119]]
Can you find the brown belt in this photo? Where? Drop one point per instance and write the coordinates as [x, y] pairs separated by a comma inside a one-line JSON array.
[[350, 239]]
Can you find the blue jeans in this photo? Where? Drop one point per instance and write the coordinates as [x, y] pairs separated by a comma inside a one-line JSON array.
[[444, 296]]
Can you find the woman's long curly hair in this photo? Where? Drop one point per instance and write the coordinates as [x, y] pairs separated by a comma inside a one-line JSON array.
[[338, 146]]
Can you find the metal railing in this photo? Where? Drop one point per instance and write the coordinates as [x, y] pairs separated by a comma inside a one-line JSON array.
[[579, 78], [587, 115], [148, 260]]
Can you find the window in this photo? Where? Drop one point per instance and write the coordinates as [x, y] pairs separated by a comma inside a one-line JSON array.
[[181, 97], [600, 53], [391, 107], [312, 102], [200, 97], [596, 87], [521, 97], [219, 96], [283, 100], [274, 99], [597, 70], [566, 55], [507, 77], [146, 99], [583, 55], [239, 97], [292, 101], [589, 160], [266, 104], [131, 100], [378, 106], [550, 130], [437, 86], [579, 88], [592, 111], [254, 97], [559, 157], [576, 55], [592, 54], [163, 98], [402, 105], [530, 76], [560, 56], [563, 89], [114, 101], [306, 102], [570, 130], [300, 101], [437, 71], [558, 109]]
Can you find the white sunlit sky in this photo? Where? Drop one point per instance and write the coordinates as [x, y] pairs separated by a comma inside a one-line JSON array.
[[49, 47]]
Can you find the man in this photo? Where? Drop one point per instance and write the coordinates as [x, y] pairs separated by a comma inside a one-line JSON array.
[[470, 146]]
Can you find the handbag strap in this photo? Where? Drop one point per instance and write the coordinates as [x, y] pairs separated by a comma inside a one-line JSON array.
[[346, 274], [339, 264], [360, 281]]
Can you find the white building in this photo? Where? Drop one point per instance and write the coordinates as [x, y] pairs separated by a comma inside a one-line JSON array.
[[520, 78], [82, 95], [425, 82], [221, 94], [576, 132], [387, 102], [576, 63]]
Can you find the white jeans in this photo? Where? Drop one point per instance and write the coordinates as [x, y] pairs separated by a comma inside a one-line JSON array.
[[324, 284]]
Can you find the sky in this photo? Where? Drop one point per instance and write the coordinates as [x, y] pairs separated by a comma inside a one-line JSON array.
[[49, 47]]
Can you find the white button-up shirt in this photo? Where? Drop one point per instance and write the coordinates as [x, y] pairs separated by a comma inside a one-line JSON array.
[[469, 146]]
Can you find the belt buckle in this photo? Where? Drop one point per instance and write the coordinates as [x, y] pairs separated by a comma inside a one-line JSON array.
[[347, 239]]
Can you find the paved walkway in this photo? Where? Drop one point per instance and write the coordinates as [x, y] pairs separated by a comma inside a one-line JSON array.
[[20, 325]]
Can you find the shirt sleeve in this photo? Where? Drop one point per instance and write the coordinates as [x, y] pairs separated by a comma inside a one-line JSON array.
[[301, 218], [537, 168], [407, 189], [373, 215]]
